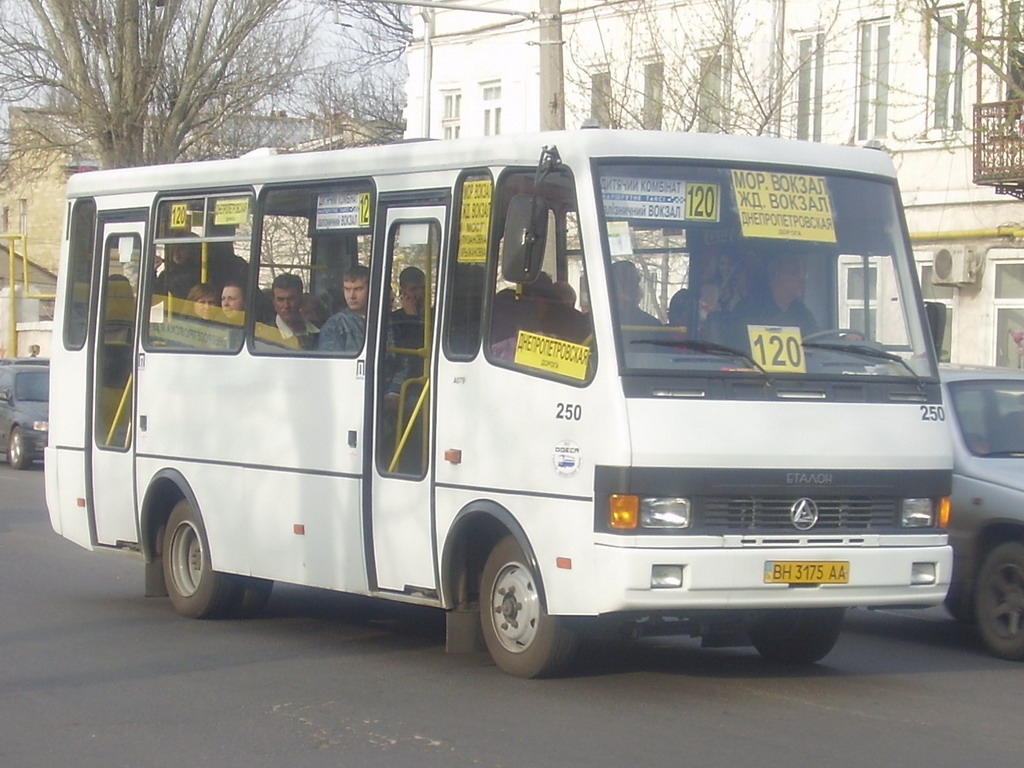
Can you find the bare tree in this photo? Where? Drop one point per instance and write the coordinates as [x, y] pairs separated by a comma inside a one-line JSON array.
[[357, 110], [375, 32], [151, 81], [658, 68]]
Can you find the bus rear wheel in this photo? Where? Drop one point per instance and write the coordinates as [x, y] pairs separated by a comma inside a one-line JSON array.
[[521, 637], [797, 636], [195, 589]]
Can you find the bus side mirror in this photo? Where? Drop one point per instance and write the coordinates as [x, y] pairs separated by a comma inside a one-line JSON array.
[[526, 236], [935, 312]]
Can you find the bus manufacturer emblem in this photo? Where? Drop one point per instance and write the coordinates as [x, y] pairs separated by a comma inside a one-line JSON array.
[[804, 514]]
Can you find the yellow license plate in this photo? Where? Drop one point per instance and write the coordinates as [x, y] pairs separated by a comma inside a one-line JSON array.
[[806, 571]]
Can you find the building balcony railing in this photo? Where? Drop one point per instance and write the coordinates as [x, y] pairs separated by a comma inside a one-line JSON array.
[[999, 146]]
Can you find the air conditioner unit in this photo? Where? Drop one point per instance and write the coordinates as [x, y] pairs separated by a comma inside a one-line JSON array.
[[956, 265]]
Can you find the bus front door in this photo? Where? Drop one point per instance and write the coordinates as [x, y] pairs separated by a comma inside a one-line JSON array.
[[400, 499], [113, 383]]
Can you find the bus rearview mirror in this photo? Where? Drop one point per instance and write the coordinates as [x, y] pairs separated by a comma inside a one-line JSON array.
[[526, 235]]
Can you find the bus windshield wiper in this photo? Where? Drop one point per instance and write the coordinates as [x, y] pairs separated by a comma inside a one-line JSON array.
[[709, 347], [864, 351]]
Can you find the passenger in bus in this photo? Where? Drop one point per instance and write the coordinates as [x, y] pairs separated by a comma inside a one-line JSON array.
[[224, 265], [287, 297], [178, 270], [232, 301], [204, 300], [345, 331], [779, 303], [313, 309], [564, 292], [625, 281], [680, 308], [539, 308], [407, 320]]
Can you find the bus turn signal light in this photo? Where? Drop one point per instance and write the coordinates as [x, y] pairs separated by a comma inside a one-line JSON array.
[[623, 511]]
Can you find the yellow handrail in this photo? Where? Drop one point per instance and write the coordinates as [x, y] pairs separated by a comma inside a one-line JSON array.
[[119, 414]]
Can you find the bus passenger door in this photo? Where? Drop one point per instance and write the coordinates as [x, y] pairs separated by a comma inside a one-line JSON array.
[[400, 500], [113, 384]]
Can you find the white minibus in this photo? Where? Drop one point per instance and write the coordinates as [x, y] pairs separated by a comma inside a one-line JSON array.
[[556, 385]]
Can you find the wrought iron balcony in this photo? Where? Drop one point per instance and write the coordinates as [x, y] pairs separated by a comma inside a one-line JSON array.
[[999, 146]]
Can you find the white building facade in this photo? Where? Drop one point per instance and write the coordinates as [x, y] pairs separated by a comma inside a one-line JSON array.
[[902, 76]]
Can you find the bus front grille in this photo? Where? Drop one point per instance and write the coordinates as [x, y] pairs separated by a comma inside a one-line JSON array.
[[775, 514]]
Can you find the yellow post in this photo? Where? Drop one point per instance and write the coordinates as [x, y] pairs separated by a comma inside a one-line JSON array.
[[12, 326]]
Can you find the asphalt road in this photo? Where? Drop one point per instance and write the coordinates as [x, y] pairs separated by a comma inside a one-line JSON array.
[[94, 674]]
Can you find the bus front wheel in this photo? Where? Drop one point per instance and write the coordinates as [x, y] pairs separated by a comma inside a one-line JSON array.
[[195, 589], [797, 636], [521, 637]]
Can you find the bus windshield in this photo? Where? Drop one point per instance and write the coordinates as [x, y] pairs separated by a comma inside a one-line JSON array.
[[783, 271]]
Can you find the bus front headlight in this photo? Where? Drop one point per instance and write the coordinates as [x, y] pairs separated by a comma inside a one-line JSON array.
[[663, 512], [917, 513]]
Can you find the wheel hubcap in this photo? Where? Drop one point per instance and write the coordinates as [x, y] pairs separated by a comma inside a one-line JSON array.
[[1008, 601], [515, 607], [15, 448], [186, 553]]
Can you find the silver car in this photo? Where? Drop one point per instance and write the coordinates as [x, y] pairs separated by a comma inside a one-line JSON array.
[[986, 406]]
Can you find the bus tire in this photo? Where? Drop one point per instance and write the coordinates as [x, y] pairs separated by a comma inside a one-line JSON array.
[[195, 589], [251, 597], [16, 455], [797, 636], [999, 601], [521, 637]]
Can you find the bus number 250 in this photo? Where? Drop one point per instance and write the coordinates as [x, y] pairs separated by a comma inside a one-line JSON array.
[[569, 412]]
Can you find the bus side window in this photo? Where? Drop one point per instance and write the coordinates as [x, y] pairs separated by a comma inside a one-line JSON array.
[[200, 255], [311, 238], [540, 327], [474, 198], [80, 265]]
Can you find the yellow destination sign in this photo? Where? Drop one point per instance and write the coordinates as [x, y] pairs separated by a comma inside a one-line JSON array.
[[788, 206], [474, 221], [231, 212], [554, 355]]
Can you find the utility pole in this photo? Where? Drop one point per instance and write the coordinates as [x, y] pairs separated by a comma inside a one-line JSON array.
[[552, 86]]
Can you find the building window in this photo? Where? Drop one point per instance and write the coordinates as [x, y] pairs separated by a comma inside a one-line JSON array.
[[950, 32], [709, 94], [1009, 306], [452, 115], [492, 109], [809, 86], [873, 85], [601, 99], [654, 94], [939, 294]]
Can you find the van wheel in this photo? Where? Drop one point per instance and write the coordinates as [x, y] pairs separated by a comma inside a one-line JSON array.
[[521, 637], [16, 450], [195, 589], [999, 601], [797, 636]]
